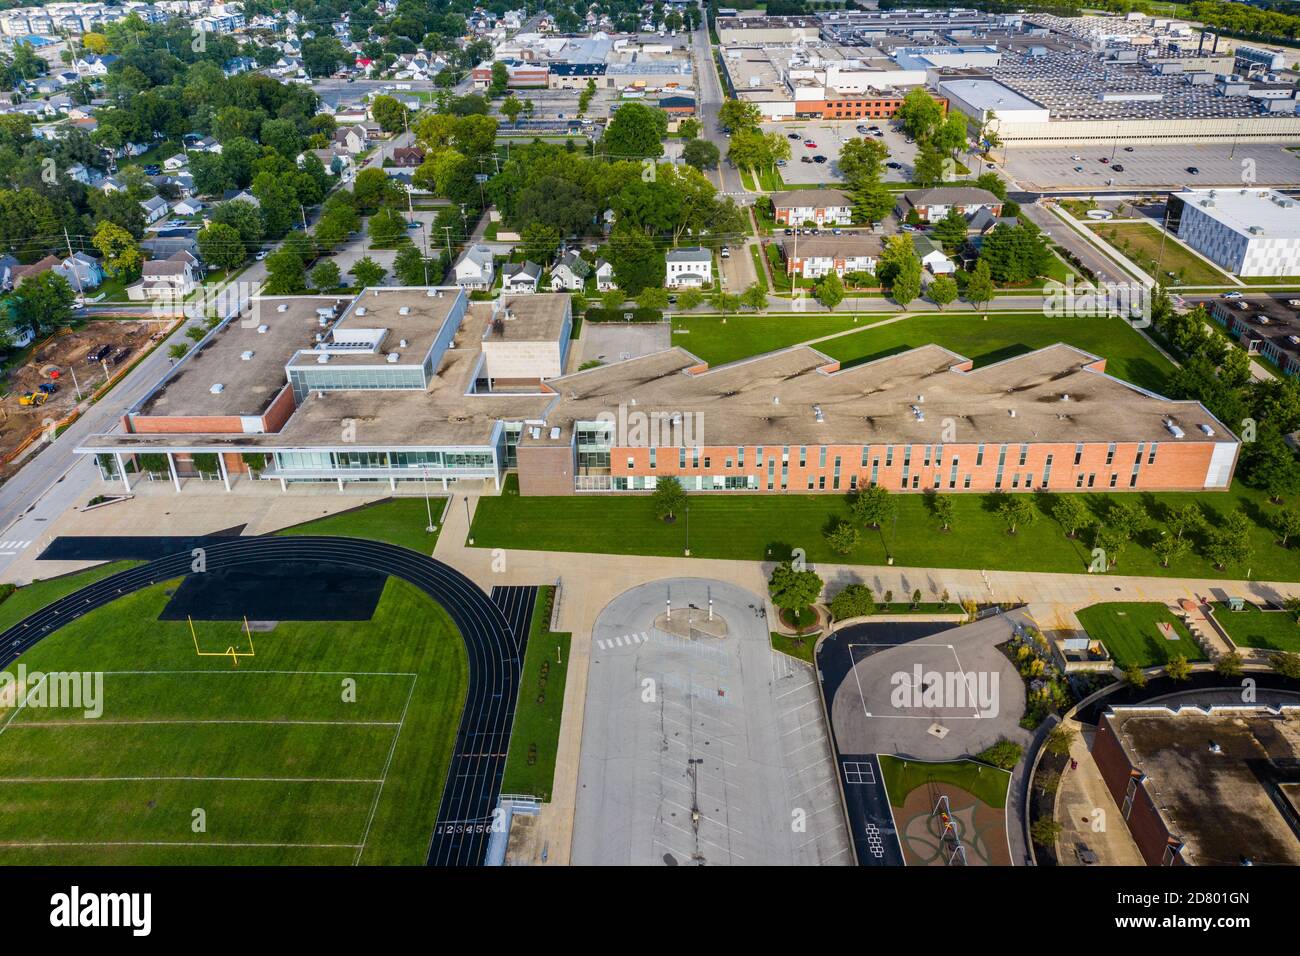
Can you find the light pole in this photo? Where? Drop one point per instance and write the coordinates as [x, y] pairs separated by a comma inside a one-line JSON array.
[[468, 522], [428, 508], [688, 529]]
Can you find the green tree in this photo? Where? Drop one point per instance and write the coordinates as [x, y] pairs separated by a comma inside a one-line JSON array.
[[701, 154], [830, 290], [669, 498], [755, 297], [391, 115], [220, 245], [122, 256], [1170, 548], [411, 268], [286, 273], [1229, 665], [943, 290], [853, 600], [368, 272], [1177, 668], [735, 115], [793, 590], [326, 276], [45, 302], [872, 506], [1004, 754], [1286, 523], [950, 230], [652, 298], [942, 505], [1016, 510], [1134, 676], [1045, 832], [1059, 740], [386, 227], [979, 290], [540, 242], [635, 131], [843, 537], [1229, 541], [906, 285], [919, 114], [511, 108], [1285, 663]]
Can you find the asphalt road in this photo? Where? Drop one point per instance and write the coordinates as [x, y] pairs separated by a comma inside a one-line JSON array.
[[710, 100], [494, 652]]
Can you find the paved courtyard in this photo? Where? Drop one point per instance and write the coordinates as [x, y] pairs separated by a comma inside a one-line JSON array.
[[830, 136], [700, 744]]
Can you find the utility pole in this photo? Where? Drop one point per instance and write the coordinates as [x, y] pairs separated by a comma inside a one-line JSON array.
[[68, 240], [447, 231]]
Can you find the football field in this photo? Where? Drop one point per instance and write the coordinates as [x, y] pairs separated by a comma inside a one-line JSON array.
[[305, 743]]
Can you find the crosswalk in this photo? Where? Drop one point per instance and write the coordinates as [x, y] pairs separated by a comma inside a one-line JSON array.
[[13, 547], [623, 640]]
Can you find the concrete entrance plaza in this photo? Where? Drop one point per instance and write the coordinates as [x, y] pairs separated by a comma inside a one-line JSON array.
[[699, 714], [1051, 167], [869, 719]]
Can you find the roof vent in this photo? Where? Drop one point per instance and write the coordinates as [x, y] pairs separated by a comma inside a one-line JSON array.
[[391, 358], [817, 414], [1208, 430], [217, 388], [322, 358], [1173, 429], [555, 433], [1011, 412], [1065, 396], [1215, 748], [361, 310], [404, 310], [262, 329], [282, 307], [246, 355], [776, 399], [402, 343], [432, 293]]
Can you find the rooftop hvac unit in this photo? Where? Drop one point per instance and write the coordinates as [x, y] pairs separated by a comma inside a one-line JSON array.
[[402, 343], [404, 310], [282, 307], [817, 414], [322, 358], [1207, 429], [1011, 412], [432, 293], [262, 329], [361, 310], [325, 313], [217, 388], [1173, 429], [391, 358], [319, 338], [246, 355], [555, 433], [322, 321]]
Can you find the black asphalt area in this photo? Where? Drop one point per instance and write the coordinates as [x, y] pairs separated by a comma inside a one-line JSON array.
[[289, 591], [129, 547]]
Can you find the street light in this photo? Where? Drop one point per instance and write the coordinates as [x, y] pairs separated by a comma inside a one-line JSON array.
[[428, 508], [688, 529]]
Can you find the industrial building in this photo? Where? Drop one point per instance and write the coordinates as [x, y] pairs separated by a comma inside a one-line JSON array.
[[1248, 232], [414, 384], [1264, 326]]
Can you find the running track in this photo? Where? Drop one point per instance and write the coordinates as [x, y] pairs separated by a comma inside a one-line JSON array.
[[474, 779]]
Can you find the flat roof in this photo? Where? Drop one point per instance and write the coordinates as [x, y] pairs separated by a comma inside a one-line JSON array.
[[381, 309], [248, 385], [1217, 801], [532, 318], [1254, 213], [769, 399], [988, 95]]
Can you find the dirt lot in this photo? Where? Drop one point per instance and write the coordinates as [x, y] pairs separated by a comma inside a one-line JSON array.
[[62, 354]]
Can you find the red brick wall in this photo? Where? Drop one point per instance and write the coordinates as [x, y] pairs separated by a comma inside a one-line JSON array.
[[1144, 821], [1177, 466], [186, 425], [278, 412]]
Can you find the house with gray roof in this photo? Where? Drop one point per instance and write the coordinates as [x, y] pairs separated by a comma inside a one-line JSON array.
[[690, 267]]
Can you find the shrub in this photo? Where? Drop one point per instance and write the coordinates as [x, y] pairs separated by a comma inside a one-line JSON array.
[[1004, 754]]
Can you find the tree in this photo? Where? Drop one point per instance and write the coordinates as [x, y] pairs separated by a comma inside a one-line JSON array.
[[979, 290], [368, 272], [872, 505], [830, 290], [411, 268], [669, 498], [1134, 676], [326, 276], [635, 131], [843, 537], [500, 79], [1229, 665], [735, 115], [391, 115], [1111, 541], [45, 302], [943, 290], [540, 242], [1059, 740], [322, 55], [1183, 519], [701, 154], [687, 129], [1016, 510], [688, 299], [1286, 523], [286, 274], [511, 108], [386, 227], [1177, 668], [652, 298], [853, 600], [221, 245], [1045, 832], [907, 281], [793, 590], [1229, 541], [1004, 754], [1285, 663], [1170, 548], [755, 297], [927, 168], [942, 506], [919, 114], [862, 162], [118, 247], [950, 230]]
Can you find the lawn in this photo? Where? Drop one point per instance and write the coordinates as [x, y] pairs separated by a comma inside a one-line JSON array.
[[32, 597], [743, 335], [799, 647], [399, 521], [1269, 630], [530, 764], [988, 784], [1141, 242], [1128, 355], [1128, 629], [329, 745], [759, 527]]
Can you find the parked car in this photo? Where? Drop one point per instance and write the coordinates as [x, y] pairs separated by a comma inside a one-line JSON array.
[[1128, 149], [907, 227], [792, 135], [1193, 170], [809, 144], [1078, 169], [725, 253], [893, 165], [805, 159], [260, 256], [1232, 295], [819, 159]]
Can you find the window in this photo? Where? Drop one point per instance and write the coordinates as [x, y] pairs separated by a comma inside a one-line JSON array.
[[707, 461], [966, 481], [1078, 453], [1078, 482], [889, 456], [1092, 480], [652, 457], [1151, 458], [1024, 453], [979, 456], [1110, 453], [864, 456], [681, 458], [1047, 471], [803, 455], [1114, 477], [821, 458]]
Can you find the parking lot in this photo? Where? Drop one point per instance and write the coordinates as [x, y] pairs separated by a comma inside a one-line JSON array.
[[1053, 167], [829, 137], [701, 745]]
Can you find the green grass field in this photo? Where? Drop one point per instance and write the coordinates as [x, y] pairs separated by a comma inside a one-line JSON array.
[[536, 734], [803, 647], [1128, 355], [280, 765], [1269, 630], [759, 527], [989, 784], [1141, 243], [1129, 631], [743, 336], [399, 521]]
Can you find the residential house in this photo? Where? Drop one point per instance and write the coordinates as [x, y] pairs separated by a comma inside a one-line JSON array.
[[82, 271], [155, 208], [931, 205], [352, 138], [7, 265], [691, 267], [174, 277], [570, 273], [187, 207], [475, 269], [822, 206], [173, 163], [520, 278], [816, 256], [78, 174], [932, 255], [984, 222], [239, 64], [604, 276], [21, 274], [408, 157], [241, 195]]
